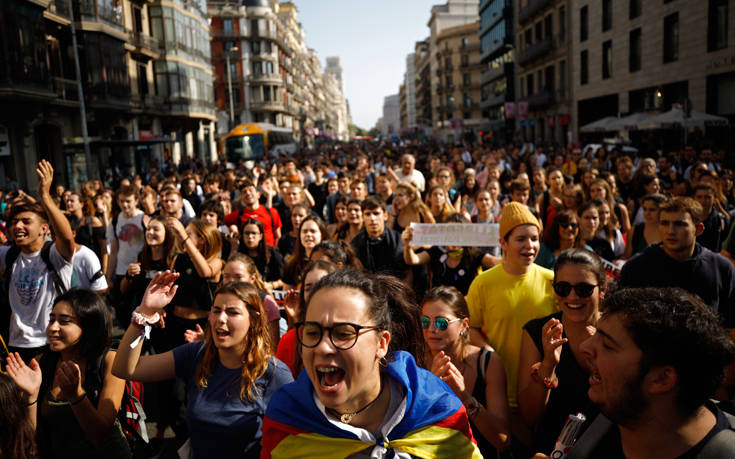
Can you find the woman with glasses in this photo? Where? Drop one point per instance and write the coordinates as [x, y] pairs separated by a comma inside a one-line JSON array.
[[563, 234], [476, 375], [553, 374], [360, 395], [230, 376]]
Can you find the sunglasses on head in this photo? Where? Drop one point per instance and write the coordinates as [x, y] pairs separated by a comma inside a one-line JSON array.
[[583, 289], [568, 225], [441, 323]]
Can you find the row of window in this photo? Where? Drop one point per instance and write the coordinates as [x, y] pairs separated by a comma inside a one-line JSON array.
[[178, 80], [545, 80], [544, 29], [180, 32], [717, 25]]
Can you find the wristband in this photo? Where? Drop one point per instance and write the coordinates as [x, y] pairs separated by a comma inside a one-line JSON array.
[[80, 400], [473, 407], [145, 322], [184, 241], [549, 383], [33, 402]]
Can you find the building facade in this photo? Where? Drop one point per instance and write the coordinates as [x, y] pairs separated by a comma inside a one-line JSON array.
[[146, 87], [634, 56], [544, 59], [497, 80], [458, 71], [391, 115]]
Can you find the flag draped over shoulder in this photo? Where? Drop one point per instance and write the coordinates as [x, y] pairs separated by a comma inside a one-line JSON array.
[[435, 422]]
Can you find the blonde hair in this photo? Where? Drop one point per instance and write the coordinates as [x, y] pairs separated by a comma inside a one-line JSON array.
[[211, 237], [256, 345]]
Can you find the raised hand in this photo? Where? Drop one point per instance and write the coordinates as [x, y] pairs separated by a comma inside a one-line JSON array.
[[159, 293], [551, 335], [45, 174], [443, 367], [291, 305], [28, 378], [194, 336], [178, 227]]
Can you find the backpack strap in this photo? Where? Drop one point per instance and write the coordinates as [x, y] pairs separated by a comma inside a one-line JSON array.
[[722, 444], [483, 360], [88, 224], [114, 225], [46, 257], [239, 219], [591, 438], [10, 256]]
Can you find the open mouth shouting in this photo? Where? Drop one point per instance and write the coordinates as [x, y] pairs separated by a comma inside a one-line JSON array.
[[330, 377]]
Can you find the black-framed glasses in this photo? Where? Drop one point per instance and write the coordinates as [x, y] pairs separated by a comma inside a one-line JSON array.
[[441, 323], [569, 225], [343, 335], [583, 289]]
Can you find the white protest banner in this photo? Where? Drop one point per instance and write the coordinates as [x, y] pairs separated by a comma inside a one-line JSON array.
[[459, 234]]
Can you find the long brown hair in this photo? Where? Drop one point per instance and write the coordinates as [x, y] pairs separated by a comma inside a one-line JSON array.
[[296, 262], [415, 203], [169, 246], [17, 438], [257, 344], [453, 298], [237, 257], [210, 234]]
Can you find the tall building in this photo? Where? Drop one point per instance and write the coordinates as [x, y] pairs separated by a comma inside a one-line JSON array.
[[498, 78], [147, 88], [391, 120], [636, 56], [543, 55], [422, 66], [409, 81], [458, 72]]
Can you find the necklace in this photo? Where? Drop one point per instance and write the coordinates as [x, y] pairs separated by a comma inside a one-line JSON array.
[[347, 417]]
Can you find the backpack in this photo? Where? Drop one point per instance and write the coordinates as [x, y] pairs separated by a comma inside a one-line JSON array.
[[268, 210], [10, 257]]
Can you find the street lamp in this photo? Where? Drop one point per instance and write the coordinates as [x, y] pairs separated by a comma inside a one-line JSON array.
[[234, 49]]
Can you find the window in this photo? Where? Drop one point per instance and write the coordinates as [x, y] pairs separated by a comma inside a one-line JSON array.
[[606, 15], [229, 45], [549, 78], [547, 25], [464, 43], [717, 25], [671, 37], [227, 26], [529, 84], [254, 29], [529, 37], [562, 77], [607, 59], [523, 87], [635, 8], [466, 100], [562, 23], [465, 60], [466, 79], [257, 68], [269, 68], [634, 51], [583, 23], [583, 70], [539, 28]]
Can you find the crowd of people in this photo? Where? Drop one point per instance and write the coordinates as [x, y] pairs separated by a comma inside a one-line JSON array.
[[286, 310]]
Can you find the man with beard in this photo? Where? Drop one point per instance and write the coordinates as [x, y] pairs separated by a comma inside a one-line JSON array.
[[657, 358]]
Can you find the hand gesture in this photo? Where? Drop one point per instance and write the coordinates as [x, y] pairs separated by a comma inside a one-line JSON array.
[[69, 379], [551, 335], [133, 269], [26, 377], [178, 227], [194, 336], [159, 293], [407, 236], [291, 305], [45, 174], [443, 367]]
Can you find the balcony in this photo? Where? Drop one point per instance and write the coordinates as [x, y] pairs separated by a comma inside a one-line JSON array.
[[265, 78], [492, 74], [273, 106], [469, 48], [470, 86], [535, 51], [144, 44], [540, 100], [66, 89], [470, 65], [492, 100], [531, 9]]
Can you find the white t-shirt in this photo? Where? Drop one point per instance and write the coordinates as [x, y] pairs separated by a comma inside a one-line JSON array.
[[416, 177], [32, 294], [130, 237], [86, 265]]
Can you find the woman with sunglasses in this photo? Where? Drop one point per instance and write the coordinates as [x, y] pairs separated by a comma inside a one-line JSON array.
[[553, 374], [561, 235], [360, 396], [476, 375]]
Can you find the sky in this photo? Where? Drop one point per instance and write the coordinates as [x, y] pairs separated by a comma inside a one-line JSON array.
[[372, 39]]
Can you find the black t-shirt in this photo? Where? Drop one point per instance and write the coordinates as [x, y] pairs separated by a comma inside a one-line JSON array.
[[610, 446], [461, 276], [194, 291], [269, 270], [140, 282]]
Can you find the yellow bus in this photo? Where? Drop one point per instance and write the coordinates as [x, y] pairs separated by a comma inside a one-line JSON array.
[[249, 143]]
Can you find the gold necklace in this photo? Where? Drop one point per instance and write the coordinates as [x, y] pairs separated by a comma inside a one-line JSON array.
[[347, 417]]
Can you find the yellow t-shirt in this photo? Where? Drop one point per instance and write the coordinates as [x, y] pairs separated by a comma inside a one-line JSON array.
[[501, 304]]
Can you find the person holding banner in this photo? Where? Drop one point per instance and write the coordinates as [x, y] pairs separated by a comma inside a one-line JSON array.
[[452, 265]]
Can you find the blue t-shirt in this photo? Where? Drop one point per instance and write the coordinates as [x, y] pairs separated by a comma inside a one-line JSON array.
[[220, 423]]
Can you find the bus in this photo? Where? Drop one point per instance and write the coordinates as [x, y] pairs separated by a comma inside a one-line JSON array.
[[249, 143]]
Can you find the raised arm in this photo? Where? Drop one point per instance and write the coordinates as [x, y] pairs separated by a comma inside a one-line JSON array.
[[128, 362], [206, 269], [58, 222], [409, 255]]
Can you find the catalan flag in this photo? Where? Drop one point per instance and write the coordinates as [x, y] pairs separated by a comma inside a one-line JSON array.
[[434, 424]]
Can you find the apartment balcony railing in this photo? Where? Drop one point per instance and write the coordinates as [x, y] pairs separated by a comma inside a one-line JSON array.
[[469, 48], [469, 65], [66, 89], [491, 74], [535, 51], [142, 40], [492, 99], [541, 99], [265, 78], [531, 9]]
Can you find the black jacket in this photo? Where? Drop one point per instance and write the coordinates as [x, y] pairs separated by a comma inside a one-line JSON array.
[[380, 254], [707, 274]]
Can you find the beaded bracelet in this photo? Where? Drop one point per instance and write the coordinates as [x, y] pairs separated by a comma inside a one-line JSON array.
[[549, 383]]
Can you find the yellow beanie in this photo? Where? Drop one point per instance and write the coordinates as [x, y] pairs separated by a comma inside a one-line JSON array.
[[515, 214]]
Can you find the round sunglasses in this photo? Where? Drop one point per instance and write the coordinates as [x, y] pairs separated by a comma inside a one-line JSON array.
[[441, 323], [583, 289]]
